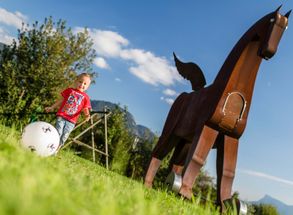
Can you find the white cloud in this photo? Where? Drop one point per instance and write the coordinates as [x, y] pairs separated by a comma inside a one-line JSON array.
[[118, 79], [108, 43], [169, 101], [170, 92], [12, 19], [267, 176], [145, 65], [101, 63], [150, 68], [5, 37]]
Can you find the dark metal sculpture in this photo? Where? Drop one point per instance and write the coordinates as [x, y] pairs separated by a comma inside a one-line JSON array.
[[216, 116]]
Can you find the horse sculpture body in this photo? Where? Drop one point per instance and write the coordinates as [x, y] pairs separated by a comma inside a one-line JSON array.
[[216, 116]]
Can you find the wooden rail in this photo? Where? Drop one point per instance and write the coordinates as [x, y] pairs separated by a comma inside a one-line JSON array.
[[94, 121]]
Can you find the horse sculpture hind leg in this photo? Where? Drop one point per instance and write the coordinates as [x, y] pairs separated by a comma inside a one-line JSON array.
[[174, 179], [151, 172], [179, 156], [167, 140], [159, 152], [176, 163]]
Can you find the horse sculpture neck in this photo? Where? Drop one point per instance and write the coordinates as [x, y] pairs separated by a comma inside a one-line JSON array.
[[248, 44], [234, 84]]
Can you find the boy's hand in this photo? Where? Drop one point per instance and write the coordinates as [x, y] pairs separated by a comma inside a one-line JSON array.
[[87, 118], [87, 114]]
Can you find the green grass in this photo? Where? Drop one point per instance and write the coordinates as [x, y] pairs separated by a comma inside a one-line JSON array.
[[67, 184]]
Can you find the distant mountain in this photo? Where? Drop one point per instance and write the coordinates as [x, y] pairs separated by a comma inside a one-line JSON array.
[[145, 133], [282, 208], [140, 131]]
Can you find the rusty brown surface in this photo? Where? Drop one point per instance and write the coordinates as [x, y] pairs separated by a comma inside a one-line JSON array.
[[216, 115]]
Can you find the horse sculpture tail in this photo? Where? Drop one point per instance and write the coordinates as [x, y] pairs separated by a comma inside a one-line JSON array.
[[191, 72], [194, 74]]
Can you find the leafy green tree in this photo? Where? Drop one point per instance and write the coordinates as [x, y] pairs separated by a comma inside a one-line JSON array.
[[139, 158], [120, 141], [265, 209], [205, 187], [43, 60]]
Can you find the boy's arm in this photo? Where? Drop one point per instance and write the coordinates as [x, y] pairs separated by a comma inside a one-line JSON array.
[[57, 104], [86, 113]]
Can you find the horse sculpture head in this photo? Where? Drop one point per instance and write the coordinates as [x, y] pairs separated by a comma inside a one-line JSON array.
[[274, 24]]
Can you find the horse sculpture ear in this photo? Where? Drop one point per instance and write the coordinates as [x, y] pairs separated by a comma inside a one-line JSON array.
[[288, 14], [279, 8]]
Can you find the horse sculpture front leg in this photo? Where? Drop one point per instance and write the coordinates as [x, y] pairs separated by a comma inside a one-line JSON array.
[[198, 157]]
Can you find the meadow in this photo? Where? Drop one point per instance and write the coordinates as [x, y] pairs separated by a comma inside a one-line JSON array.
[[68, 184]]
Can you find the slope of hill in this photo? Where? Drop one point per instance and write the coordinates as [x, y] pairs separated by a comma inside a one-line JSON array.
[[282, 208], [138, 130], [68, 184]]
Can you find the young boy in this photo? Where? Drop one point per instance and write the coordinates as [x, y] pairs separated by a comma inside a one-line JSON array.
[[70, 106]]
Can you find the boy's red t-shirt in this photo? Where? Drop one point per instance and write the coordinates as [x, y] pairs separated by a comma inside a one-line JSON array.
[[73, 103]]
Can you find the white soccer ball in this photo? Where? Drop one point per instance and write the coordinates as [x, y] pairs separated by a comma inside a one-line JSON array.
[[40, 137]]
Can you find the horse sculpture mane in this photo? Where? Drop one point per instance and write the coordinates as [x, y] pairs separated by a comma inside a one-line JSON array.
[[216, 115]]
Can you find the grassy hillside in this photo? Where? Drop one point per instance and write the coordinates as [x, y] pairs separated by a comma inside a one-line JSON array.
[[67, 184]]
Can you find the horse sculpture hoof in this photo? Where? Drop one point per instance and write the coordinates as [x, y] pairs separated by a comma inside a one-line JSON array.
[[174, 181], [241, 207]]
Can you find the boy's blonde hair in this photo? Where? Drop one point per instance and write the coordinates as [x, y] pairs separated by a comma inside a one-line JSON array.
[[83, 75]]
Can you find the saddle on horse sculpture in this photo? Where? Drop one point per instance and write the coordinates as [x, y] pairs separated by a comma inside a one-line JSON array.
[[216, 115]]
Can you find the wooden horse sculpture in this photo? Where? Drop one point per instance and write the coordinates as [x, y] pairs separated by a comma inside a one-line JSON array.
[[216, 116]]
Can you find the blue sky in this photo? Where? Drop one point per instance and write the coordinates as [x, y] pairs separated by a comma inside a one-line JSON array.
[[134, 41]]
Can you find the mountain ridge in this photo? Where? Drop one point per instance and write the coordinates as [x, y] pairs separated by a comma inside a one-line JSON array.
[[141, 131]]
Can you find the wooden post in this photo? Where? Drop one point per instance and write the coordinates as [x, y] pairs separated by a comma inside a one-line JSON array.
[[93, 140], [91, 127], [106, 138]]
